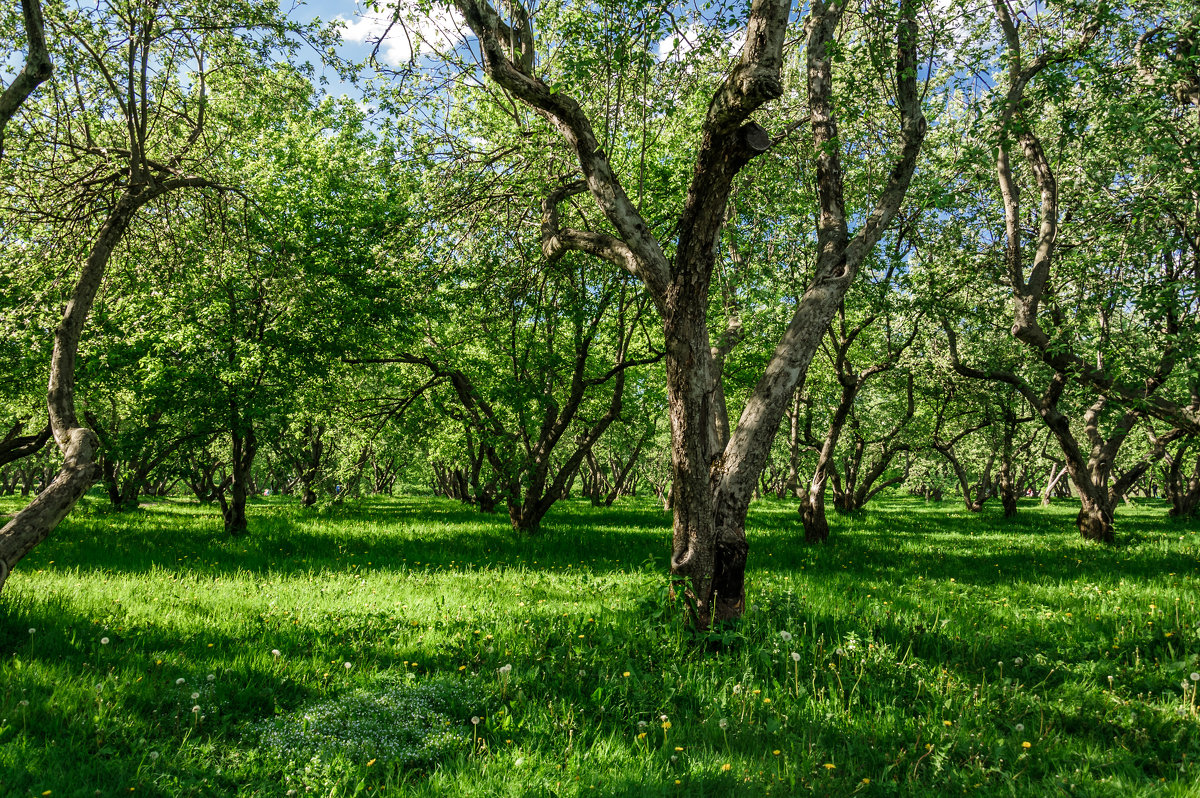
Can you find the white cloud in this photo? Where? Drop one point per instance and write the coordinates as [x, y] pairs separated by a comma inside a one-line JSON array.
[[408, 33], [677, 45]]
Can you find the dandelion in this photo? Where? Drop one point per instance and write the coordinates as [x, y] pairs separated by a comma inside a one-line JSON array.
[[507, 669], [153, 755], [23, 702], [104, 641], [1195, 677], [642, 736], [795, 656], [582, 673], [1020, 727], [674, 758], [180, 681], [642, 724], [625, 674], [775, 752], [866, 781], [196, 710], [474, 720], [829, 766], [347, 665], [371, 762], [666, 725], [726, 767], [1018, 661], [276, 653], [947, 723], [195, 696], [211, 677], [737, 688], [786, 636], [32, 630]]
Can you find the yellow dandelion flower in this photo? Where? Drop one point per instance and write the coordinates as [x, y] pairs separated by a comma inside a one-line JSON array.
[[726, 766], [642, 736], [766, 700], [866, 781], [666, 724], [371, 762], [775, 752], [625, 674], [947, 723], [829, 766], [1026, 744], [678, 748]]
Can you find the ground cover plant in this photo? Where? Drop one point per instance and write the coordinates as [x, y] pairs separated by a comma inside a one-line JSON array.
[[414, 647]]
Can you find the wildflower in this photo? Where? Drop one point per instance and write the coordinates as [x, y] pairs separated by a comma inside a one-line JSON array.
[[947, 723], [507, 669], [723, 723], [678, 748], [642, 724], [737, 688], [276, 653], [371, 762], [642, 736], [766, 700], [196, 710], [1195, 677], [625, 674], [866, 781], [795, 656], [674, 758], [195, 696], [153, 755], [662, 717], [32, 630], [1026, 744], [582, 673], [180, 681], [104, 641], [347, 665], [23, 702], [474, 720], [775, 752], [1020, 727], [666, 725], [1018, 661], [726, 767], [211, 678], [786, 636], [829, 766]]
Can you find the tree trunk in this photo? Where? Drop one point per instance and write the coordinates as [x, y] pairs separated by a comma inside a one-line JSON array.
[[78, 444]]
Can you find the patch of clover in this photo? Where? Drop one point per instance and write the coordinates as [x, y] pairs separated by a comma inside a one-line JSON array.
[[405, 724]]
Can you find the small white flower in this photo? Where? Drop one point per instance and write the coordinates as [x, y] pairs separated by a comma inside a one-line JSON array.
[[211, 677], [196, 709], [786, 636], [104, 641], [32, 630], [195, 696], [662, 717], [723, 723], [347, 665], [1184, 684], [180, 680], [276, 653], [795, 656], [474, 720], [1020, 727], [507, 669], [1195, 677]]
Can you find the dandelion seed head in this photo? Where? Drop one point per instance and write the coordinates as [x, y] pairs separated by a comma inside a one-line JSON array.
[[180, 680], [795, 656], [104, 641]]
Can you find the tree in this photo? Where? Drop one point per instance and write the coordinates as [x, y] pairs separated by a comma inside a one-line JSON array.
[[37, 69], [130, 126], [715, 473]]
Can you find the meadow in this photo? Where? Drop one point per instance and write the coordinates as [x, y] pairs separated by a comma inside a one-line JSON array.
[[414, 647]]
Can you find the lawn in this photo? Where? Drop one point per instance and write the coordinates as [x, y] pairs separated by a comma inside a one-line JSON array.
[[347, 651]]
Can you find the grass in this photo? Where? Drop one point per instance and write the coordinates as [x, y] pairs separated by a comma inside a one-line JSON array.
[[347, 652]]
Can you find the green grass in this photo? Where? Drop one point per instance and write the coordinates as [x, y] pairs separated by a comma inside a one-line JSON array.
[[933, 645]]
